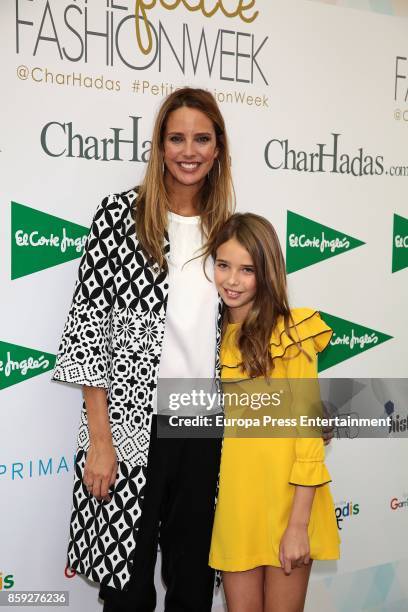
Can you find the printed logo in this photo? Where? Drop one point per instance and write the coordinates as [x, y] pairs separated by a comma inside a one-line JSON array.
[[392, 395], [129, 35], [18, 363], [345, 510], [40, 241], [400, 77], [401, 88], [69, 572], [348, 340], [400, 243], [142, 7], [308, 242], [281, 155], [6, 581], [399, 504], [64, 140], [36, 468], [399, 422]]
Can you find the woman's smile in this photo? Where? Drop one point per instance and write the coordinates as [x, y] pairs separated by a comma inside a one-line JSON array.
[[189, 147], [189, 166]]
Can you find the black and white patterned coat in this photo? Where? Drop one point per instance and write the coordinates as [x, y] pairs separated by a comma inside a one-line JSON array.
[[113, 338]]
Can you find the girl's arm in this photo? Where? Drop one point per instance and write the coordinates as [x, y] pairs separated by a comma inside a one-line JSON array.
[[301, 506], [294, 547], [308, 470]]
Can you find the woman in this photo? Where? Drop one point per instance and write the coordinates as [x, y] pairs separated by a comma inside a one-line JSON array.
[[275, 512], [137, 313]]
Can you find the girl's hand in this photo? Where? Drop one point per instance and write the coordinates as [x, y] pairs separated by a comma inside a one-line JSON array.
[[100, 470], [328, 431], [294, 550]]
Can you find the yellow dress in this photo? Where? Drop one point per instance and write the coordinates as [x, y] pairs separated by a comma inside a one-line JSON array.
[[257, 475]]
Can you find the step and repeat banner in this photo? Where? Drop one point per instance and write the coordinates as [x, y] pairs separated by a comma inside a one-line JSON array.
[[315, 99]]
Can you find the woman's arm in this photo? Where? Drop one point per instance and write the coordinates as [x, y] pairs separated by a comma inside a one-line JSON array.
[[83, 356], [101, 462]]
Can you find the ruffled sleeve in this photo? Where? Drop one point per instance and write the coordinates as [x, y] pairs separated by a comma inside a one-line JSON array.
[[307, 327], [308, 468]]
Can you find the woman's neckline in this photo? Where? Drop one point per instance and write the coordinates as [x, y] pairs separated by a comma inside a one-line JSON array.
[[193, 220]]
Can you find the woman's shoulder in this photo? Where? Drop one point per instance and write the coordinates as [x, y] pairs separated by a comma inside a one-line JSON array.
[[126, 199], [305, 325], [119, 204]]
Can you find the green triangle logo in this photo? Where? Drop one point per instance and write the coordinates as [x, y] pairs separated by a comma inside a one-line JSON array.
[[40, 241], [308, 242], [399, 243], [18, 363], [348, 340]]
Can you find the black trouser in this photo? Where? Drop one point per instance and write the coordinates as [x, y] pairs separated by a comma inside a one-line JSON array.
[[179, 498]]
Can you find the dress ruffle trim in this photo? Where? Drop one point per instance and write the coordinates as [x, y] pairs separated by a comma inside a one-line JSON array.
[[309, 473], [307, 324]]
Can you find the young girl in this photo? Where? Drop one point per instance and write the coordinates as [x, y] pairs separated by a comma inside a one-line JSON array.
[[275, 512]]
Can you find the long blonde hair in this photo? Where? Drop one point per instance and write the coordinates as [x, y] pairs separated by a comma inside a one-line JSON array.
[[217, 196], [257, 235]]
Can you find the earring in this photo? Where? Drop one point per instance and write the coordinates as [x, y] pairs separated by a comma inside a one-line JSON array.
[[219, 170], [163, 167]]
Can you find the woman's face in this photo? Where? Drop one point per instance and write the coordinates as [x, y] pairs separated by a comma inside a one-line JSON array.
[[190, 146], [234, 276]]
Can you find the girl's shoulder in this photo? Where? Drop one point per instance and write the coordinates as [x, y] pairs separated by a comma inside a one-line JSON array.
[[306, 326]]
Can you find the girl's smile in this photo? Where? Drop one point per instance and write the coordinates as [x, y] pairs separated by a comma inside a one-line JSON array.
[[232, 294], [235, 279]]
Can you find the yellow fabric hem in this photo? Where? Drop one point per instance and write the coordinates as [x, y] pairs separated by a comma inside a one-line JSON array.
[[309, 473], [225, 565]]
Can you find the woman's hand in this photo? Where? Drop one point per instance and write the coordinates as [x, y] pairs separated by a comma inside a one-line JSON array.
[[100, 470], [294, 550]]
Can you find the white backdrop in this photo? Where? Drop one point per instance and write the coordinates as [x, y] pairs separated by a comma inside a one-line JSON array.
[[298, 71]]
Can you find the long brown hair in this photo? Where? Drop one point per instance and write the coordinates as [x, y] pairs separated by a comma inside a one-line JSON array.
[[257, 235], [217, 196]]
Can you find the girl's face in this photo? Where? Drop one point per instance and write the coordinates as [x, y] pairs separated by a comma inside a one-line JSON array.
[[234, 276], [190, 146]]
